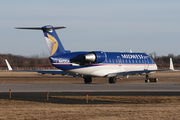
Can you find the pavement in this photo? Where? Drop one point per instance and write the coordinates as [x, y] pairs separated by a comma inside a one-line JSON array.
[[94, 87], [38, 92]]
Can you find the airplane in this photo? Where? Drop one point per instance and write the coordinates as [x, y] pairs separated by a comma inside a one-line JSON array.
[[94, 63]]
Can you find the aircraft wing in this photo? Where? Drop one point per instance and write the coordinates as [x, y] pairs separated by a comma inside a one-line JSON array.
[[171, 68], [135, 72], [53, 72]]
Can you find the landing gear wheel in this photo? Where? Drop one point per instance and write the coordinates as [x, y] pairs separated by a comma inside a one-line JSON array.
[[147, 80], [87, 80], [156, 80], [112, 80]]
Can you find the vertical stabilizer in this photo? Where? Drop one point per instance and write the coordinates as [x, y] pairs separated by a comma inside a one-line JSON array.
[[54, 44]]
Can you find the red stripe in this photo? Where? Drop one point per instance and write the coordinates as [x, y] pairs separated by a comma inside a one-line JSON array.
[[111, 64]]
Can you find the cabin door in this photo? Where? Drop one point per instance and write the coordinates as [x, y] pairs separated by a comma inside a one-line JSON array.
[[119, 60], [146, 63]]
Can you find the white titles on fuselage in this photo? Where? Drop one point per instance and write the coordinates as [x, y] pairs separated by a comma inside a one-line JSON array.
[[63, 61], [127, 56]]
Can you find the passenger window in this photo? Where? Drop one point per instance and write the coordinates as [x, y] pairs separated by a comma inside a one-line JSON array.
[[129, 61], [126, 61], [113, 60], [139, 61], [132, 61], [110, 60], [119, 60]]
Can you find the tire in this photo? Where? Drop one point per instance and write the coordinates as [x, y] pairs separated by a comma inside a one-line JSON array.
[[87, 80], [147, 81], [112, 80]]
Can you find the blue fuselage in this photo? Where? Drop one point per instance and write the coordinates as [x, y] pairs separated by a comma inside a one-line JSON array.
[[113, 62]]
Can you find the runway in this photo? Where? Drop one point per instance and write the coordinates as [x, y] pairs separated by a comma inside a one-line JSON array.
[[94, 87], [37, 92]]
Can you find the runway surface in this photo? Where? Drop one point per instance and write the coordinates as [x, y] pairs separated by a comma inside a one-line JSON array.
[[38, 92], [94, 87]]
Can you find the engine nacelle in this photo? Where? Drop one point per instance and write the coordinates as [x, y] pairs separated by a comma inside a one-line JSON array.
[[95, 57]]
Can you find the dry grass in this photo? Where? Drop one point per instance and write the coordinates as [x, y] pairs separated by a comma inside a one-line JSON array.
[[11, 109], [127, 99], [129, 107]]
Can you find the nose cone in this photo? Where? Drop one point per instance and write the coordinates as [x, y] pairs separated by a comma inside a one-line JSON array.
[[156, 67]]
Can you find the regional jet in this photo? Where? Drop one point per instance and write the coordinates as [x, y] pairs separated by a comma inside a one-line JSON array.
[[95, 63]]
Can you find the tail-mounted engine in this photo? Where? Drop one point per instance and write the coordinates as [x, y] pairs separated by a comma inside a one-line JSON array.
[[95, 57]]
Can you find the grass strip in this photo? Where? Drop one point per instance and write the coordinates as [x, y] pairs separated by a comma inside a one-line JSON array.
[[127, 99]]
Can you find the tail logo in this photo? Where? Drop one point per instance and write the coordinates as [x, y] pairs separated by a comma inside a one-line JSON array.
[[55, 43]]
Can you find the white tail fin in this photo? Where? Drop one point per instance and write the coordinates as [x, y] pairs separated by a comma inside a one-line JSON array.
[[8, 65], [54, 44], [171, 64]]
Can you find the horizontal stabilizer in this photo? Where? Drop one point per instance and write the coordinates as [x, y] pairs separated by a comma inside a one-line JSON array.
[[40, 28], [54, 44]]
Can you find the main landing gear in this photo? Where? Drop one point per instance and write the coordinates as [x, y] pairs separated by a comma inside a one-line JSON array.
[[147, 80], [112, 80], [87, 80]]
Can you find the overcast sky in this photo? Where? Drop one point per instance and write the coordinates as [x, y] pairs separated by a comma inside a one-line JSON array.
[[92, 25]]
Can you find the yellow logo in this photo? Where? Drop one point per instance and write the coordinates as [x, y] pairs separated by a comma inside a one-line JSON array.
[[55, 45]]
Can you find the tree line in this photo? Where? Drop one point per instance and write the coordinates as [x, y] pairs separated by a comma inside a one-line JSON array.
[[17, 61], [36, 61], [164, 61]]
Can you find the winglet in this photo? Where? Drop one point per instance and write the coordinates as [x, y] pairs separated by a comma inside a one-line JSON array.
[[171, 64], [8, 65]]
